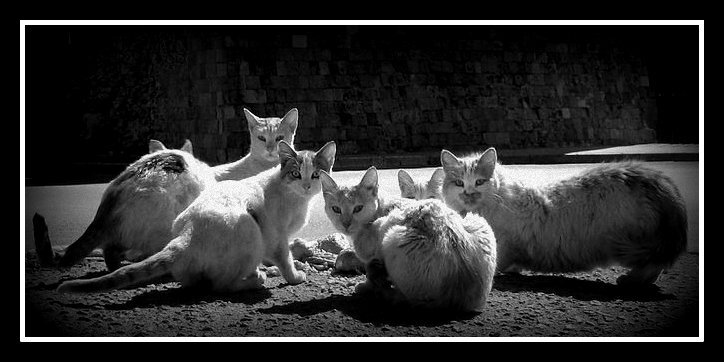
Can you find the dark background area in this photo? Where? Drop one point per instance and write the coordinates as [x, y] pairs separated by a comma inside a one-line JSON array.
[[96, 94]]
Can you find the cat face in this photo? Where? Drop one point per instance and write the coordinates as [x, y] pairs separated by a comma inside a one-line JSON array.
[[421, 190], [267, 132], [349, 208], [301, 170], [469, 180]]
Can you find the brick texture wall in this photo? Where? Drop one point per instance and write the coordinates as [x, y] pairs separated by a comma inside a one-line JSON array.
[[374, 90]]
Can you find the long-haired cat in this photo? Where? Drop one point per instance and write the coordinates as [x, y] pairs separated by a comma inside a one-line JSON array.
[[431, 189], [136, 210], [621, 213], [420, 252], [222, 237]]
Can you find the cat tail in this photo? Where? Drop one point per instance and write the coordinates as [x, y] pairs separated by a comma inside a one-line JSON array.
[[140, 273], [79, 249]]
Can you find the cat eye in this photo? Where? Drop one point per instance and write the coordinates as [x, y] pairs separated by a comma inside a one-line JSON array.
[[357, 209], [262, 138], [336, 209], [479, 182], [315, 174], [279, 138], [296, 174], [459, 183]]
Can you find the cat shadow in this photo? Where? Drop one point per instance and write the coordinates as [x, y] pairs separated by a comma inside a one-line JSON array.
[[184, 296], [52, 286], [580, 289], [368, 309]]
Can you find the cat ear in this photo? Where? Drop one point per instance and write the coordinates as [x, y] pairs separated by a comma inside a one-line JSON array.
[[324, 158], [291, 119], [449, 161], [489, 157], [188, 147], [328, 184], [286, 153], [369, 180], [486, 162], [437, 177], [251, 119], [154, 145], [405, 181]]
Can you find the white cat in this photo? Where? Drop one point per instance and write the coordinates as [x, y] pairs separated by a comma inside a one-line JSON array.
[[134, 218], [432, 189], [222, 237], [420, 252], [615, 213], [265, 134]]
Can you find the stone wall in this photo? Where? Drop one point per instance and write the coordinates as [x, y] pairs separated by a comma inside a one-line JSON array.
[[374, 90]]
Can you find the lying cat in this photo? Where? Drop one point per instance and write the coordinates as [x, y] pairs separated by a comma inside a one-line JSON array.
[[432, 189], [222, 237], [419, 252], [615, 213], [134, 218]]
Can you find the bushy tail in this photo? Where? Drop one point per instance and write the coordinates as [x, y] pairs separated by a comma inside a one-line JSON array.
[[139, 273]]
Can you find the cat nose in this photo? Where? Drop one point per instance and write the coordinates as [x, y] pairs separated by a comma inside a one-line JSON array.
[[307, 185]]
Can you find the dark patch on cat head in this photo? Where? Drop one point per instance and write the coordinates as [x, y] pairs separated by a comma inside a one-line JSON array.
[[157, 163], [166, 162]]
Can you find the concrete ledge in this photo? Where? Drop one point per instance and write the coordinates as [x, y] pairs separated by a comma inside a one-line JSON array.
[[646, 152], [79, 173]]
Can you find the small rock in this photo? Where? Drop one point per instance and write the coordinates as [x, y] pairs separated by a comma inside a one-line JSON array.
[[302, 249], [273, 271], [320, 267], [333, 243], [348, 262], [300, 265], [318, 260]]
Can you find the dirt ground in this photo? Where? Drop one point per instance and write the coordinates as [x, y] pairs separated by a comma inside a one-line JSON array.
[[529, 304]]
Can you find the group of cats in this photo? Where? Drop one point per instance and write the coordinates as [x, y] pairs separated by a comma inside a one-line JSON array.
[[438, 245]]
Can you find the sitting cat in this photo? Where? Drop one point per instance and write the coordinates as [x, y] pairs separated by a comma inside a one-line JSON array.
[[136, 211], [432, 189], [265, 134], [615, 213], [222, 237], [420, 252]]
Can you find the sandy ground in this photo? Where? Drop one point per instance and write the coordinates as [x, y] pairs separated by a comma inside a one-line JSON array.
[[529, 305]]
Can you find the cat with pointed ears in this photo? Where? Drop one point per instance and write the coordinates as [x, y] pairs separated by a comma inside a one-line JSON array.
[[621, 213], [417, 252], [410, 189], [265, 134], [134, 217], [222, 237]]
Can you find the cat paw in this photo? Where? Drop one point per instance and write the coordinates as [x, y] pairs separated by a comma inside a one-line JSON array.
[[298, 278]]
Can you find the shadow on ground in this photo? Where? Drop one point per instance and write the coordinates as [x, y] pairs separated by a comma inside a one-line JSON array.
[[368, 309], [188, 296], [580, 289]]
